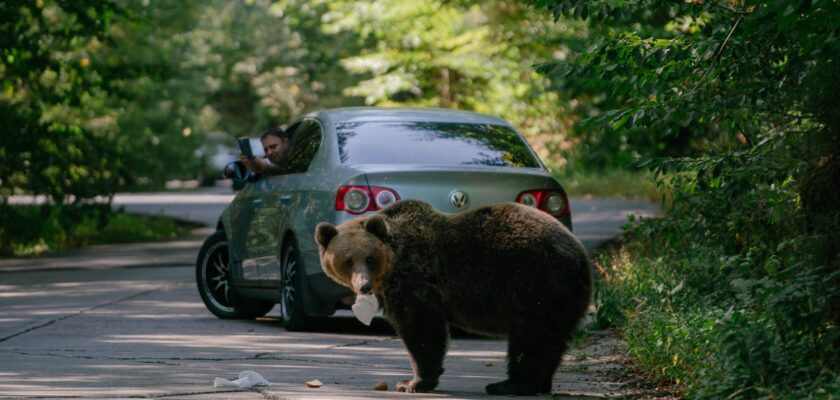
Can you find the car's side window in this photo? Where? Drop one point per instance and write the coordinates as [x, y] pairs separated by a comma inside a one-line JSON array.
[[306, 140]]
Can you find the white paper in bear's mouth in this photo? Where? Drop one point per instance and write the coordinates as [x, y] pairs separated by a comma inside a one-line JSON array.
[[365, 307]]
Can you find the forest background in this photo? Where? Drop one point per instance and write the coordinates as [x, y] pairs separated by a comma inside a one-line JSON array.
[[729, 106]]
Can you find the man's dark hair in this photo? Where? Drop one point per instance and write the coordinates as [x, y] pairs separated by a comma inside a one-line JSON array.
[[276, 131]]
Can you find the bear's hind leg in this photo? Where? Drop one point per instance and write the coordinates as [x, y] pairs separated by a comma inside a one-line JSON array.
[[426, 336], [533, 357]]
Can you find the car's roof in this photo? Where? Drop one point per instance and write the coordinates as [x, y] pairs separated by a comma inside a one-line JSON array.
[[362, 114]]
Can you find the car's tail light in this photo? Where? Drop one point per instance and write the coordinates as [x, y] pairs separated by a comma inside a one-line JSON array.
[[360, 199], [355, 199], [551, 201]]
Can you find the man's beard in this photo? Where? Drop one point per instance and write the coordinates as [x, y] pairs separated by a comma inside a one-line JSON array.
[[278, 157]]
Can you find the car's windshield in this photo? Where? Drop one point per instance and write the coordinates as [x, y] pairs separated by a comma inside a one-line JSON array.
[[432, 143]]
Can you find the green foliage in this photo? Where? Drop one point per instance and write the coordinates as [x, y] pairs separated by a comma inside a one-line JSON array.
[[727, 295], [462, 54], [672, 78], [56, 138], [30, 230], [105, 96], [734, 292], [192, 76], [124, 227]]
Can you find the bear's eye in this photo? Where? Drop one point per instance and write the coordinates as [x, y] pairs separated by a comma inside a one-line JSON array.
[[369, 260], [348, 264]]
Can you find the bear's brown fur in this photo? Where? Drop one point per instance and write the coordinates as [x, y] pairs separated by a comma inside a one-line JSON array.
[[505, 270]]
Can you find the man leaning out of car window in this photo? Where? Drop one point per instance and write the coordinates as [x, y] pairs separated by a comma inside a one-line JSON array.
[[276, 143]]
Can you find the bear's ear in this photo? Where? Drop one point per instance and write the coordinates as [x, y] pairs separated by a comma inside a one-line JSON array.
[[324, 233], [376, 225]]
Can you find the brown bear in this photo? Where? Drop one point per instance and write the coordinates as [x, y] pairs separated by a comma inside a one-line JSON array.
[[504, 270]]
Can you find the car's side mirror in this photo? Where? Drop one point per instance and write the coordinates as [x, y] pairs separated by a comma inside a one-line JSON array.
[[237, 172]]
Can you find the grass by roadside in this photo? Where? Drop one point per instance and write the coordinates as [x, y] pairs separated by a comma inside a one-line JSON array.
[[125, 227], [615, 183], [34, 230]]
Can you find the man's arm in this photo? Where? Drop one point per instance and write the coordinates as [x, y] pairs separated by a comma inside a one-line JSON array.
[[259, 165]]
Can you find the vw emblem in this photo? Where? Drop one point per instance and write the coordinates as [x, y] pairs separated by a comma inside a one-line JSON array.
[[459, 199]]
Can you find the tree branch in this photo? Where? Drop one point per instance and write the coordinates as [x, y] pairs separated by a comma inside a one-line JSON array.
[[716, 56]]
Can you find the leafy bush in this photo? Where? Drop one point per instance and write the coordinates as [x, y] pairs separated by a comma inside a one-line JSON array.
[[28, 230], [735, 292], [730, 294]]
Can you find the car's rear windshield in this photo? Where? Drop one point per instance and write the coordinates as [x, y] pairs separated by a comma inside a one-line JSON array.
[[432, 143]]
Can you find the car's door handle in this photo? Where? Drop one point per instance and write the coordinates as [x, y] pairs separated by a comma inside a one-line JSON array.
[[286, 199], [257, 203]]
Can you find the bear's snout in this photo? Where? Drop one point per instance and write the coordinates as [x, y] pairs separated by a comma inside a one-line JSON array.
[[360, 280]]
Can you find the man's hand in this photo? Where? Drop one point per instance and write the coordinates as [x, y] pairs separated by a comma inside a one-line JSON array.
[[259, 165], [255, 165]]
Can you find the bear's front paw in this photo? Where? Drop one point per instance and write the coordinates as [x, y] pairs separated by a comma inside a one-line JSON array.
[[405, 386], [415, 385]]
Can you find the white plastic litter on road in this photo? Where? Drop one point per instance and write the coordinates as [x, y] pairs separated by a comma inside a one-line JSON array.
[[247, 379]]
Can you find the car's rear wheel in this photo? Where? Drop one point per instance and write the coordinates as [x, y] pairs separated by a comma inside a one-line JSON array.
[[295, 317], [212, 276]]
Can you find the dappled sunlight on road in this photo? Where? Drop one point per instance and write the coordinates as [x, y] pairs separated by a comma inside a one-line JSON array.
[[184, 305], [249, 343], [478, 354], [75, 289]]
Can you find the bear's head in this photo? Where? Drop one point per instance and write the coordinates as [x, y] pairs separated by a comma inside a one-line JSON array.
[[355, 253]]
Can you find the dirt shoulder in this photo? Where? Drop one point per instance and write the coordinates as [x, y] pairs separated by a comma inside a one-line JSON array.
[[601, 369]]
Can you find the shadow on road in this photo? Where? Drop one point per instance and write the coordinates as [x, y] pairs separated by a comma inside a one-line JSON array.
[[345, 323]]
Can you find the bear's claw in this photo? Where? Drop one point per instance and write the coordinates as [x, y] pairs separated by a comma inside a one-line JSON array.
[[415, 386]]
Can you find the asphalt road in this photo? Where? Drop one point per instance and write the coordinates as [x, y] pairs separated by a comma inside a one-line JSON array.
[[141, 331]]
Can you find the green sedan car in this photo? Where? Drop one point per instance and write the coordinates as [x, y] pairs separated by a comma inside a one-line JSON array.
[[349, 162]]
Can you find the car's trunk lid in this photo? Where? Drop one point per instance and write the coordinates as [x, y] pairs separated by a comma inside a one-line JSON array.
[[454, 190]]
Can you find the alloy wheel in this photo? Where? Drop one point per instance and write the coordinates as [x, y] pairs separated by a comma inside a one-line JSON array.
[[287, 301], [216, 277]]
